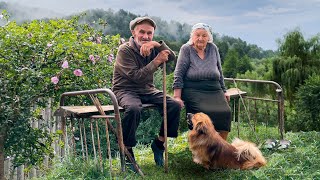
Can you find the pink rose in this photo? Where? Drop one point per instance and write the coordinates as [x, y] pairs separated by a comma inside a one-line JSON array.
[[77, 72], [97, 57], [55, 80], [91, 57], [65, 65]]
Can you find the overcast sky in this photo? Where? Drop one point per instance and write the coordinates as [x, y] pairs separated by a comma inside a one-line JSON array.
[[258, 22]]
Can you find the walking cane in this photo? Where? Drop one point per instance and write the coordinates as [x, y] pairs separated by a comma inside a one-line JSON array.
[[165, 118]]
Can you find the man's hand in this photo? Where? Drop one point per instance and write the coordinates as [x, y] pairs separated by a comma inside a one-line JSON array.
[[162, 57], [145, 49]]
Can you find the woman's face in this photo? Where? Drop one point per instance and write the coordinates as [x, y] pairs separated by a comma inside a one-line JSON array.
[[200, 38]]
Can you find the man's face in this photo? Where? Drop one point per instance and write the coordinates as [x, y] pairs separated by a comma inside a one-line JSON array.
[[143, 33]]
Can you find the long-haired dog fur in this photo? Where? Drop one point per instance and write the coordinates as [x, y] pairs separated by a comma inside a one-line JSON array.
[[211, 151]]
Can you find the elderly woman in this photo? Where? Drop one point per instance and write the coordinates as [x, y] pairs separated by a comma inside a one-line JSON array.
[[198, 79]]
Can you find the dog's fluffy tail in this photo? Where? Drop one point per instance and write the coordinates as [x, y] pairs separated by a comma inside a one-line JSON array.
[[250, 153]]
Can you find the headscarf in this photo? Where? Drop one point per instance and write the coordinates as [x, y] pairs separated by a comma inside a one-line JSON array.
[[201, 26]]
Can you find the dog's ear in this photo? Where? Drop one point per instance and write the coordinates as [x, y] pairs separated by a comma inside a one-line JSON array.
[[201, 128]]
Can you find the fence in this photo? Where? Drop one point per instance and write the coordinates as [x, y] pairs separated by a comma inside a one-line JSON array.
[[19, 173]]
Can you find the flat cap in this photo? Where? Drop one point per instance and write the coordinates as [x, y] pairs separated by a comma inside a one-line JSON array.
[[139, 20]]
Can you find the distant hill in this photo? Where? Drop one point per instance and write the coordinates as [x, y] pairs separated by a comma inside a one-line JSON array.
[[173, 32]]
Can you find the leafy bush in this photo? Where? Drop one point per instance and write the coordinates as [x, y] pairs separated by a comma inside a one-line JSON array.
[[40, 60], [307, 108]]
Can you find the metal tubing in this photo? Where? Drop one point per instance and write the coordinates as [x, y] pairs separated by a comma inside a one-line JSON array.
[[279, 91], [116, 113]]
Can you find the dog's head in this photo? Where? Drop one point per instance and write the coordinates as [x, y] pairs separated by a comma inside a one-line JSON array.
[[201, 123]]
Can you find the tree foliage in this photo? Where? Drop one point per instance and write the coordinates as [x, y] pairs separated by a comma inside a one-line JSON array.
[[298, 59], [234, 65], [306, 107]]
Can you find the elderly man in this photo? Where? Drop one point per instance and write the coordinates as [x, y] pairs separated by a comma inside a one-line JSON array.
[[136, 62]]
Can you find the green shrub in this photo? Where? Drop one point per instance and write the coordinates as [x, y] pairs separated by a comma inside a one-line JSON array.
[[39, 60], [307, 107]]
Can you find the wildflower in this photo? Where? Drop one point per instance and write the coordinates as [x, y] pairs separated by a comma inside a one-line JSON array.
[[49, 45], [1, 16], [91, 57], [55, 80], [65, 65], [90, 38], [97, 57], [110, 58], [77, 72], [99, 40]]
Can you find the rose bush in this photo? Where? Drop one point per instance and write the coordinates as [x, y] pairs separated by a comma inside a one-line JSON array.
[[40, 60]]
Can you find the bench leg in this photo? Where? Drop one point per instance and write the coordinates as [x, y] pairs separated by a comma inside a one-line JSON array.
[[93, 144], [99, 148]]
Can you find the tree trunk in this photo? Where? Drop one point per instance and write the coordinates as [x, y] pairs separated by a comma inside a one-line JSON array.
[[1, 156]]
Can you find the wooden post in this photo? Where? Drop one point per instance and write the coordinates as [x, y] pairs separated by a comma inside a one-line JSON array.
[[1, 156], [20, 173], [165, 118]]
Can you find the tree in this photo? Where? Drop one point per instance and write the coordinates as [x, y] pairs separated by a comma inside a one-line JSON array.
[[306, 106], [230, 63], [298, 59], [244, 65], [41, 60]]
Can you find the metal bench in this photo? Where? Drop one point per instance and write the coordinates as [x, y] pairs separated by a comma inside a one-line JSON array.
[[93, 112]]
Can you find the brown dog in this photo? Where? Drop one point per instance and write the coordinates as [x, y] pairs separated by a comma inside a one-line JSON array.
[[212, 151]]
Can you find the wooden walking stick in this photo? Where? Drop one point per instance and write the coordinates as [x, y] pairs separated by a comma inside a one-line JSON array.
[[165, 118]]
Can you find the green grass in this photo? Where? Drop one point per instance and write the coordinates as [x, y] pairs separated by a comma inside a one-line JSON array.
[[300, 161]]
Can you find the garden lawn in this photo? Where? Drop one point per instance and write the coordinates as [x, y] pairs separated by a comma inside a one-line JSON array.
[[300, 161]]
